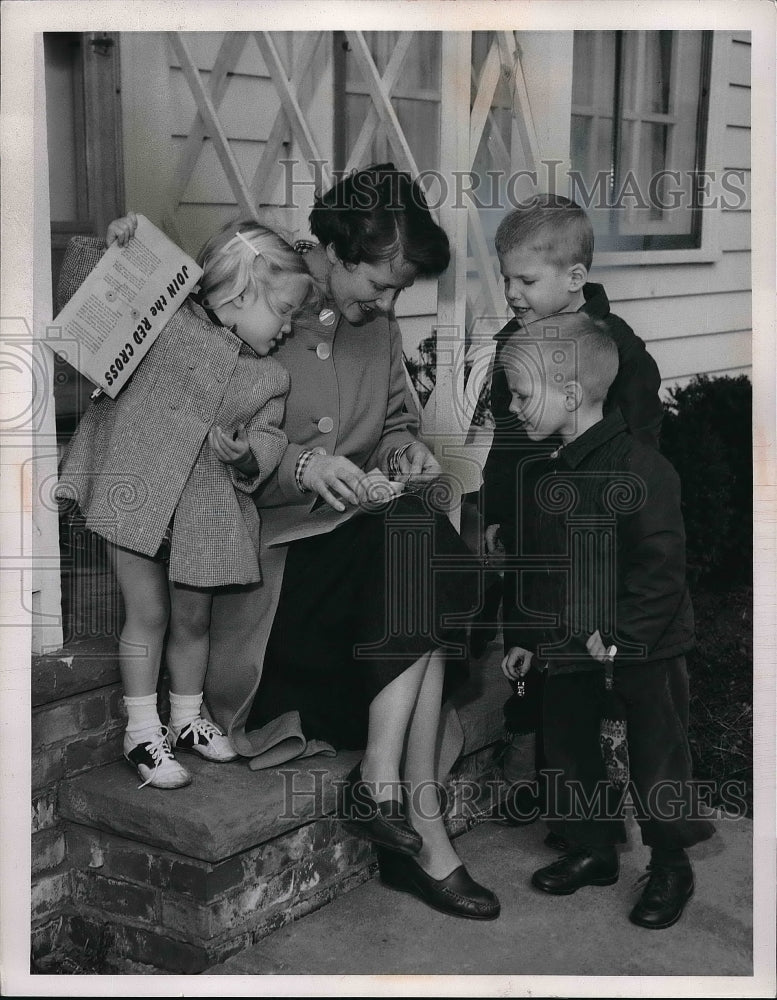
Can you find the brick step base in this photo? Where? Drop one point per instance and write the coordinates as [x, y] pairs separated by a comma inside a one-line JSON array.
[[180, 880]]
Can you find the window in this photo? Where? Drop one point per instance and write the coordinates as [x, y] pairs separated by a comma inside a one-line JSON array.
[[639, 116], [415, 98]]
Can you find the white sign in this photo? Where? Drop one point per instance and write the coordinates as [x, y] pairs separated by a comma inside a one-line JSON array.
[[124, 304]]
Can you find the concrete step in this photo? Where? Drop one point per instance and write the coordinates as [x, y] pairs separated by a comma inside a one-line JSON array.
[[83, 665], [188, 877], [229, 808]]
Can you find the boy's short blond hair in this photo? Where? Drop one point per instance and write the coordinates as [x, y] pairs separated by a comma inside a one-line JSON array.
[[567, 347], [551, 225]]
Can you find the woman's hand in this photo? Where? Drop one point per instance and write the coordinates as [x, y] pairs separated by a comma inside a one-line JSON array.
[[233, 449], [335, 478], [517, 663], [417, 462], [122, 230]]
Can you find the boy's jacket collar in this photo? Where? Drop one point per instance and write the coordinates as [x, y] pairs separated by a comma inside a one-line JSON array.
[[579, 449], [596, 304]]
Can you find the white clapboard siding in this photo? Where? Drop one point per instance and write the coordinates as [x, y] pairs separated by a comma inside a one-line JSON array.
[[735, 231], [738, 106], [196, 222], [418, 300], [204, 47], [740, 63], [696, 318], [247, 111], [694, 314], [729, 274], [687, 317], [722, 352], [735, 148]]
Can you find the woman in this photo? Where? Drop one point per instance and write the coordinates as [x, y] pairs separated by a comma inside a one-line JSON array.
[[344, 652]]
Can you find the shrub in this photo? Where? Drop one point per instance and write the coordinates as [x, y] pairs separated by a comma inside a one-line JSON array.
[[707, 435], [423, 370]]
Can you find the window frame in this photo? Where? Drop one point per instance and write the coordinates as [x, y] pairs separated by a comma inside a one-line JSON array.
[[709, 249]]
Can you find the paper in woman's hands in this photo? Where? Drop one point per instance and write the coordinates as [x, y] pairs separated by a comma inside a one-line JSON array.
[[376, 491], [123, 306]]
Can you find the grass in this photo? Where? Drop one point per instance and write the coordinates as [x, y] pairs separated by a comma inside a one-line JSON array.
[[721, 679]]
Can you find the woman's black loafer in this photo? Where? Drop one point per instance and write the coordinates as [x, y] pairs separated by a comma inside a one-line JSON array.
[[457, 894], [384, 823]]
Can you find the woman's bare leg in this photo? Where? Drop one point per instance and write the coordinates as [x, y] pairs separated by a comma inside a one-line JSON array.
[[437, 856], [390, 713]]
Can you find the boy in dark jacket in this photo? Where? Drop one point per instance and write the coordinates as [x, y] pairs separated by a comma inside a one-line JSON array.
[[600, 546], [545, 252]]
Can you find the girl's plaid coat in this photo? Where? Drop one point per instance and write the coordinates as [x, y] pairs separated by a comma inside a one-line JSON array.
[[142, 461]]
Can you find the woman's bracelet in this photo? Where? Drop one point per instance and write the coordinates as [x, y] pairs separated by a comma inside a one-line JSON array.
[[299, 470], [394, 458]]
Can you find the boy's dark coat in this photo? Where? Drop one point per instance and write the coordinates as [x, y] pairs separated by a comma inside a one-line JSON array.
[[621, 499], [634, 391]]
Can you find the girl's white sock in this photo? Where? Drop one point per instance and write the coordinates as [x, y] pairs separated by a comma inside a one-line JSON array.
[[143, 719], [184, 708]]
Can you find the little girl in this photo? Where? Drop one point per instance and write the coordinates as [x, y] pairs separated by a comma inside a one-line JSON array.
[[165, 473]]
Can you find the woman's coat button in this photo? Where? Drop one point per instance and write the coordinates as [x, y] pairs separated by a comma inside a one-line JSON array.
[[323, 351], [326, 425]]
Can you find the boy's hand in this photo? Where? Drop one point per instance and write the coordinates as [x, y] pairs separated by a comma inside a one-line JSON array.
[[494, 539], [233, 449], [597, 649], [517, 663], [122, 230], [495, 549]]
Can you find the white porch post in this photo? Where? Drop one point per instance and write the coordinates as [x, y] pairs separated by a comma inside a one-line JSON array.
[[448, 423], [46, 586]]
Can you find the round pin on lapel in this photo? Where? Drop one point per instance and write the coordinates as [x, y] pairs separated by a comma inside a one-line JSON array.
[[327, 317]]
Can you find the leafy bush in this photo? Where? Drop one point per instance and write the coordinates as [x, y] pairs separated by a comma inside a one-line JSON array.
[[707, 436], [423, 370]]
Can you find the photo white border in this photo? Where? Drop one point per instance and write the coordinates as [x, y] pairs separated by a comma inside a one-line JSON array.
[[21, 19]]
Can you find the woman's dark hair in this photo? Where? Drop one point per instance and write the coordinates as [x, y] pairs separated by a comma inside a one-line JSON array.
[[373, 214]]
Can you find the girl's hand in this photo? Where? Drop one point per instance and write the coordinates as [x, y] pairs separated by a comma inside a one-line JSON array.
[[233, 449], [122, 230], [335, 478], [517, 663]]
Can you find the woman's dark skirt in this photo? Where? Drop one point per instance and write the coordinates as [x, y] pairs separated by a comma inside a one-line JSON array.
[[358, 606]]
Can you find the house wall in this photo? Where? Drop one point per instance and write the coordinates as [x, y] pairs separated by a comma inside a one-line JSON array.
[[695, 315]]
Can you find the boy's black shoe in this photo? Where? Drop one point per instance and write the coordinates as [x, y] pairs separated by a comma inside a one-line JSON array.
[[664, 897], [577, 869]]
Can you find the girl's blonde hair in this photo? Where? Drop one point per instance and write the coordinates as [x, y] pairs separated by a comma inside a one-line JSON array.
[[257, 260]]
